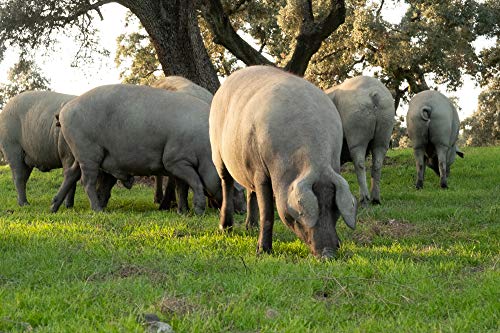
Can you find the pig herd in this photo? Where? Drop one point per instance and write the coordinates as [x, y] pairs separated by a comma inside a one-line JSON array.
[[265, 131]]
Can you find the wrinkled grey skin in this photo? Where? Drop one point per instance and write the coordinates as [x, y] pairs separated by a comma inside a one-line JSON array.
[[366, 108], [276, 134], [183, 85], [136, 130], [30, 139], [433, 126]]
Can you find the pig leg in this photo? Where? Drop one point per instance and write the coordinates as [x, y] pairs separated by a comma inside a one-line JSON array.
[[419, 159], [358, 155], [378, 154], [182, 190], [90, 173], [442, 153], [20, 171], [252, 210], [227, 182], [187, 173], [105, 183], [71, 176], [67, 162], [168, 199], [70, 197], [265, 202], [227, 209], [158, 189]]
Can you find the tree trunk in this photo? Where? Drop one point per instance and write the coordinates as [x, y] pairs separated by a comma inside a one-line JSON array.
[[174, 32]]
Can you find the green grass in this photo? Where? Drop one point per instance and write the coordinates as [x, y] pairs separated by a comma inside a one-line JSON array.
[[423, 261]]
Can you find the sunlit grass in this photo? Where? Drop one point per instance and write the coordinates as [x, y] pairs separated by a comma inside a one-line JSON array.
[[423, 261]]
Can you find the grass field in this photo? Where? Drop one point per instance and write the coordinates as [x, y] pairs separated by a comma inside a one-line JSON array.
[[423, 261]]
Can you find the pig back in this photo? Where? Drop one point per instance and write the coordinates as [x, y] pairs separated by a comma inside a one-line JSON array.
[[31, 122], [273, 121]]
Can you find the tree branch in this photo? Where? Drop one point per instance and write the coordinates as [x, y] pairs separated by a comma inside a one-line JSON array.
[[307, 11], [328, 55], [226, 36], [95, 6], [399, 93], [377, 15], [236, 7], [311, 34]]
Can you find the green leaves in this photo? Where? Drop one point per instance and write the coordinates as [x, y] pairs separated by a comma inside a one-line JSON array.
[[136, 56], [24, 75], [483, 127]]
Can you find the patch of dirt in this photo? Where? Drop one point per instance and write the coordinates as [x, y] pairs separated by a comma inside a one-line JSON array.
[[390, 228], [272, 314], [170, 305]]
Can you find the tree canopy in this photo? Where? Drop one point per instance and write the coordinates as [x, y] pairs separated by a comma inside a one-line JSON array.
[[325, 40], [173, 28], [482, 128], [24, 75], [432, 44]]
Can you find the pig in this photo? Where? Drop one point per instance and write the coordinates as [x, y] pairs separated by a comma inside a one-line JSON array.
[[179, 84], [276, 134], [183, 85], [366, 108], [433, 126], [30, 138], [141, 131]]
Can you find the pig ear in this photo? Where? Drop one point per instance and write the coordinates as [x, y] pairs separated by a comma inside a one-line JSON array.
[[344, 200], [425, 113], [302, 204]]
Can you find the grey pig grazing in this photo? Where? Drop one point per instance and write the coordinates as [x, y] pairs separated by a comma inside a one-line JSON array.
[[275, 133], [137, 130], [30, 139], [183, 85], [180, 84], [433, 126], [366, 108]]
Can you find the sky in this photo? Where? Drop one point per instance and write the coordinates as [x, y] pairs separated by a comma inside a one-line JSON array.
[[76, 80]]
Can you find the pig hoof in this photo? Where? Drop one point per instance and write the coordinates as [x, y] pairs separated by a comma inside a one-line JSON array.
[[97, 209], [226, 227], [129, 182], [375, 202], [328, 253], [199, 210], [364, 202], [250, 225], [263, 250]]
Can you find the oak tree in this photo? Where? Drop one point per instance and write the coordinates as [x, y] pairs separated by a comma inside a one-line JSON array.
[[173, 28]]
